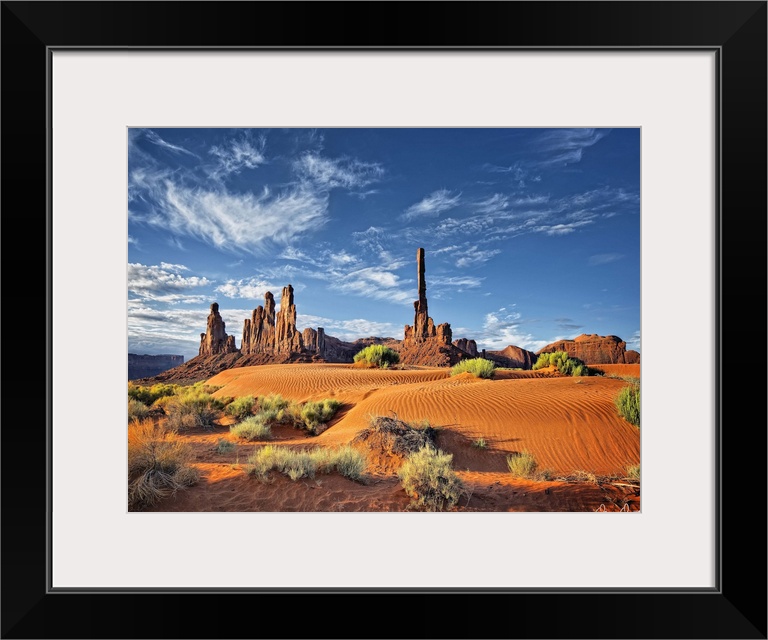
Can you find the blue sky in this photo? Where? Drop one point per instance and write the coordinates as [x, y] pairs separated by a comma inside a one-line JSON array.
[[531, 235]]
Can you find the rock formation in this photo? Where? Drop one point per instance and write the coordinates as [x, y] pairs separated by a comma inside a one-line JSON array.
[[270, 333], [468, 346], [595, 349], [145, 366], [424, 328], [287, 338], [512, 357], [259, 330], [215, 339]]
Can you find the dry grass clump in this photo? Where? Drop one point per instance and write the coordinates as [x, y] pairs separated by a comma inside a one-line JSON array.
[[393, 436], [158, 464], [430, 481], [298, 464], [478, 367]]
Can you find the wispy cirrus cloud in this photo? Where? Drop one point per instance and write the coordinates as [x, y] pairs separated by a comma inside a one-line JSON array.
[[604, 258], [238, 222], [566, 146], [329, 173], [237, 154], [432, 205], [474, 256], [155, 138]]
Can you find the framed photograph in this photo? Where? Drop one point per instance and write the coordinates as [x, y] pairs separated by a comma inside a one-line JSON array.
[[122, 118]]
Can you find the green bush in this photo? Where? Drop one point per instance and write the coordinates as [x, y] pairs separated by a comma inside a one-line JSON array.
[[480, 443], [522, 465], [478, 367], [304, 464], [429, 480], [241, 407], [148, 395], [137, 410], [378, 355], [633, 472], [189, 412], [628, 404], [272, 402], [254, 427], [565, 364], [313, 414]]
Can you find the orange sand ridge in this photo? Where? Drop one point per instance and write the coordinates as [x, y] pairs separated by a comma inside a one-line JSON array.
[[568, 424]]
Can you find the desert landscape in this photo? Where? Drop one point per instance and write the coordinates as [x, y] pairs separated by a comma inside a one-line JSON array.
[[286, 353], [499, 431]]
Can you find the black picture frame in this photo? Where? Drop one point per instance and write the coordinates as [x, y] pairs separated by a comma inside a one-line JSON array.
[[734, 609]]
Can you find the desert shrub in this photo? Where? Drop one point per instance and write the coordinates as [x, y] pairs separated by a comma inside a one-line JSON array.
[[273, 401], [241, 407], [377, 355], [148, 395], [137, 410], [565, 364], [313, 414], [190, 412], [633, 472], [429, 480], [522, 465], [254, 427], [478, 367], [305, 464], [394, 436], [628, 404], [225, 446], [158, 464], [480, 443]]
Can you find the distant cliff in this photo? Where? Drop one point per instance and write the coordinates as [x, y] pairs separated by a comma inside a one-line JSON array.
[[144, 366]]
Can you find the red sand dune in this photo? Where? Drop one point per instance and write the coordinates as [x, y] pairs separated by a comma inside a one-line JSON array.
[[568, 424]]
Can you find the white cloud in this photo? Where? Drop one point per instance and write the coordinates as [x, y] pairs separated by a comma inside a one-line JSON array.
[[239, 222], [251, 289], [154, 138], [604, 258], [432, 205], [566, 146], [240, 153], [501, 328], [330, 173], [374, 282], [493, 204], [457, 282], [472, 256], [153, 281], [350, 330]]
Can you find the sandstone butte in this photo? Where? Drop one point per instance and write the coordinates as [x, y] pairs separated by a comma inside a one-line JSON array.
[[271, 337]]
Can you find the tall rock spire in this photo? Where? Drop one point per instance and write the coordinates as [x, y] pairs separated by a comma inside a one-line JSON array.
[[215, 339], [424, 328]]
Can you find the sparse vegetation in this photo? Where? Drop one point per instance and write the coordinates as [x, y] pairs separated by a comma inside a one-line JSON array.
[[565, 364], [137, 410], [480, 443], [190, 412], [377, 355], [148, 395], [478, 367], [254, 427], [633, 472], [394, 436], [225, 446], [313, 414], [241, 407], [628, 403], [522, 465], [305, 464], [429, 479], [272, 402], [158, 464]]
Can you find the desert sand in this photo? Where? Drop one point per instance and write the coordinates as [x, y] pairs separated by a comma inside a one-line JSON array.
[[570, 425]]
